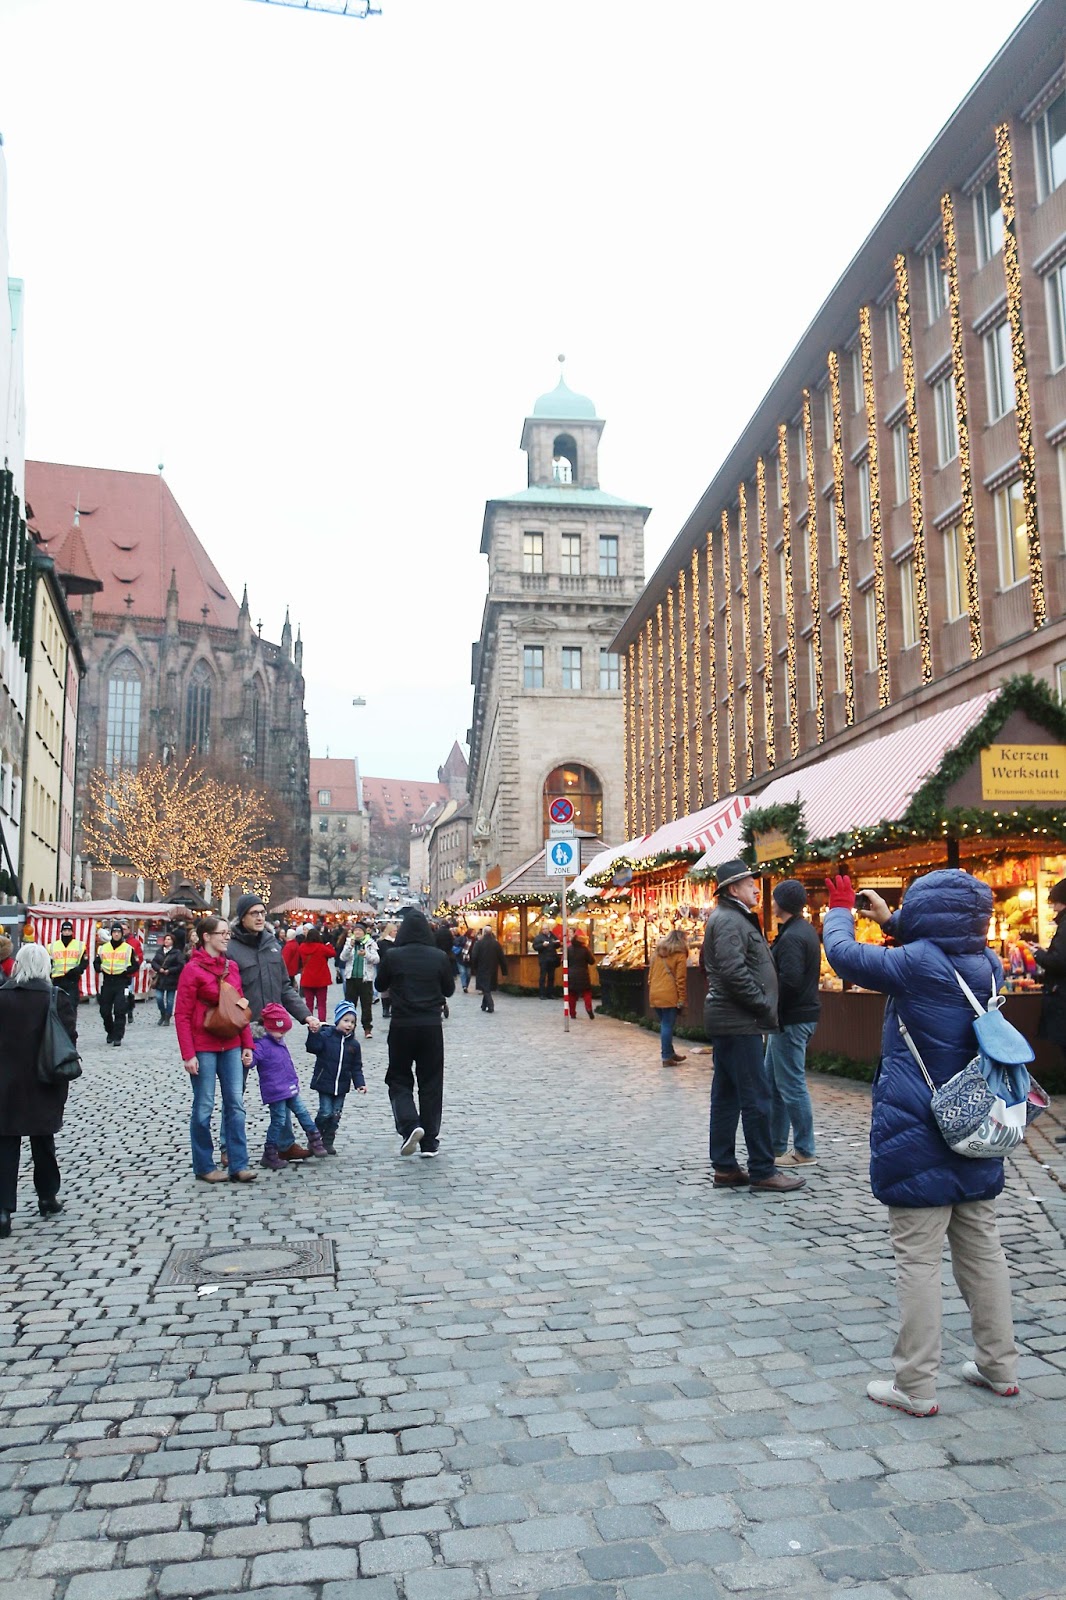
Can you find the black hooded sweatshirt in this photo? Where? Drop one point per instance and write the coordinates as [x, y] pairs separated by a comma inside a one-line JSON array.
[[417, 976]]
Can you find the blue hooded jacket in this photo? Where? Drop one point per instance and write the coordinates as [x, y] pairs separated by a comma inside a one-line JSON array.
[[910, 1165]]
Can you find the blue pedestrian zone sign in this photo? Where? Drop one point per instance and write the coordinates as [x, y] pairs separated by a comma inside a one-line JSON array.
[[560, 858]]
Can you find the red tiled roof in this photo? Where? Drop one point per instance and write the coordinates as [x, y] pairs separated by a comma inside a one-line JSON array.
[[134, 534], [391, 800], [338, 776]]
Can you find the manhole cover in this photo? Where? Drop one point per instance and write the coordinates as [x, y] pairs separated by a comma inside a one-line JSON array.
[[304, 1258]]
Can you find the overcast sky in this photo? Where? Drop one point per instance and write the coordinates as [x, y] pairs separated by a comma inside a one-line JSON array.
[[321, 269]]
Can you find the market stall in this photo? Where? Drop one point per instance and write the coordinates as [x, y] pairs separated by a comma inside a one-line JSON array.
[[150, 920], [304, 908], [527, 897]]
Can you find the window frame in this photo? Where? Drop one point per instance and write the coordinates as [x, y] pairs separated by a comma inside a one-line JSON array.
[[1010, 570], [901, 463], [570, 555], [1044, 151], [873, 655], [571, 668], [532, 552], [999, 375], [1055, 298], [908, 603], [866, 507], [937, 287], [607, 558], [893, 344], [956, 601], [610, 667], [532, 666], [984, 228], [947, 419]]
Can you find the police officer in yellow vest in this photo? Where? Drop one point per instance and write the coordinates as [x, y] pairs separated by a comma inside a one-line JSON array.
[[116, 963], [69, 960]]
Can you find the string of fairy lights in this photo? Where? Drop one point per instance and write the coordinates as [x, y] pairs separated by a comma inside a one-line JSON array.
[[643, 768], [1023, 409], [816, 604], [914, 465], [671, 656], [697, 674], [962, 425], [627, 739], [840, 513], [712, 671], [767, 612], [682, 634], [876, 537], [790, 593], [727, 586], [745, 612], [660, 703]]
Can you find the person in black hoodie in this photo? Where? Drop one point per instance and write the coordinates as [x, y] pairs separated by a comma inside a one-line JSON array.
[[797, 956], [418, 978]]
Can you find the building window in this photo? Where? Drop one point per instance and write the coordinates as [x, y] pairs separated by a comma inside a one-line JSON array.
[[947, 422], [936, 281], [323, 797], [123, 715], [779, 480], [900, 462], [870, 601], [827, 411], [999, 372], [571, 555], [838, 651], [812, 676], [1049, 133], [1055, 289], [801, 456], [988, 221], [532, 552], [892, 344], [198, 710], [1060, 680], [834, 532], [866, 526], [908, 603], [608, 555], [585, 791], [786, 697], [564, 460], [1012, 536], [1060, 456], [323, 824], [533, 666], [342, 824], [955, 570], [858, 396], [782, 572], [805, 555], [571, 667], [610, 671]]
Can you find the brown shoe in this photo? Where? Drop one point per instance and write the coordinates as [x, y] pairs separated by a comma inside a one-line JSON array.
[[246, 1175], [779, 1183], [295, 1152], [216, 1175], [673, 1061], [733, 1178]]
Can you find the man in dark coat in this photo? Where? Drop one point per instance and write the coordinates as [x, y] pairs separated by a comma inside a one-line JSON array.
[[418, 977], [487, 962], [546, 948], [740, 1007], [797, 956], [29, 1109], [1052, 964]]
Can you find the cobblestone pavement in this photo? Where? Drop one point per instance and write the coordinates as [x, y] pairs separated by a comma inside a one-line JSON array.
[[552, 1363]]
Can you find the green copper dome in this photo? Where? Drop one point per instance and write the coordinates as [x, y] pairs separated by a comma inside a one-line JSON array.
[[563, 405]]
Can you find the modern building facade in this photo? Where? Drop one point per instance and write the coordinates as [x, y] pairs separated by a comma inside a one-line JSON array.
[[886, 536], [566, 563], [340, 829]]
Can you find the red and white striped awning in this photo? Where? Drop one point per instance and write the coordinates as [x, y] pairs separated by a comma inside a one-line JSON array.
[[696, 832], [468, 892]]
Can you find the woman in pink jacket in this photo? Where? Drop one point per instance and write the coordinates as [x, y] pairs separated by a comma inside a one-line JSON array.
[[206, 1056]]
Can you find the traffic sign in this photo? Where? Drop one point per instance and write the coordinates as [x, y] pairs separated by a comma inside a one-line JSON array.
[[560, 858], [561, 809], [561, 830]]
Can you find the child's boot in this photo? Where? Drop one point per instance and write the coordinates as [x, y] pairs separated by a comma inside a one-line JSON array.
[[272, 1160], [316, 1144], [329, 1134]]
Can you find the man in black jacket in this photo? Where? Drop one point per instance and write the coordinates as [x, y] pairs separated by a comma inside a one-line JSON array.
[[547, 949], [741, 1006], [418, 977], [797, 956]]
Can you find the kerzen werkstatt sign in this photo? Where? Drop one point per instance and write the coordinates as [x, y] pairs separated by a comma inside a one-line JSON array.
[[1024, 772]]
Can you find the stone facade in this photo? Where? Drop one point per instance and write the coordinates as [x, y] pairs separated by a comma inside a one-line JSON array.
[[340, 830], [566, 563]]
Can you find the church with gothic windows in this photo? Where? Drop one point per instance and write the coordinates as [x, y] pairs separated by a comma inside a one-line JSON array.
[[175, 666]]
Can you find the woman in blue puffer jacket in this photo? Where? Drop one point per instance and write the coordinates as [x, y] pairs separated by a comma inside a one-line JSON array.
[[930, 1192]]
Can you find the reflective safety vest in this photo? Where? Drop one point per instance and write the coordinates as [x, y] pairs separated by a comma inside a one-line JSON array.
[[65, 957], [115, 959]]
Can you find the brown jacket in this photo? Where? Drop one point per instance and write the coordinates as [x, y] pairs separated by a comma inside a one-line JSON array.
[[667, 979]]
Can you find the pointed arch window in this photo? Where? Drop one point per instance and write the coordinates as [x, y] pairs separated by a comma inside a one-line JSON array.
[[123, 733], [257, 732], [198, 710]]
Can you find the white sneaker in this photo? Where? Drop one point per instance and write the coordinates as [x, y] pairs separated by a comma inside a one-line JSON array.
[[412, 1142], [886, 1394], [973, 1374]]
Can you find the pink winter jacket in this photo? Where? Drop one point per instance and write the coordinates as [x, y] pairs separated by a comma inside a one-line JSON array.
[[197, 993]]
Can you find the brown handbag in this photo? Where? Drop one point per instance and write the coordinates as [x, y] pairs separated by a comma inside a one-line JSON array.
[[230, 1015]]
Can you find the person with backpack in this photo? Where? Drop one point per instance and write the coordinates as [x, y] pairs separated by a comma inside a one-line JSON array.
[[941, 931]]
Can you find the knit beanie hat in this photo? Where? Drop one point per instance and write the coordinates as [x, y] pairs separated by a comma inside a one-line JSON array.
[[246, 903], [275, 1017], [343, 1008], [1057, 893], [791, 896]]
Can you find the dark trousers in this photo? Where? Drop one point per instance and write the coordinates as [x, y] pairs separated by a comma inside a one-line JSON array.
[[740, 1092], [45, 1168], [69, 987], [546, 980], [360, 991], [487, 1002], [416, 1051], [113, 1006]]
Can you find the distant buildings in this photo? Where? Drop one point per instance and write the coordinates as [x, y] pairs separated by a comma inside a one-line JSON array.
[[340, 830], [394, 806]]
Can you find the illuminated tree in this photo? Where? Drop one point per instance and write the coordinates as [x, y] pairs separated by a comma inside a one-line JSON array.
[[233, 840], [146, 822]]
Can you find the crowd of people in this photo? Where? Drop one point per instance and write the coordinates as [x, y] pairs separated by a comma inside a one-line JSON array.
[[235, 991]]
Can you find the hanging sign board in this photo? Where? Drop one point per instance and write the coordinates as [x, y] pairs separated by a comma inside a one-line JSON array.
[[772, 845], [560, 858], [1023, 772]]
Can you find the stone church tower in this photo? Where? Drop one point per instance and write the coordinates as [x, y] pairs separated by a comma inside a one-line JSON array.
[[566, 564]]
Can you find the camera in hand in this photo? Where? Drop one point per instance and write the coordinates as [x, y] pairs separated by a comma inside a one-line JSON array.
[[862, 902]]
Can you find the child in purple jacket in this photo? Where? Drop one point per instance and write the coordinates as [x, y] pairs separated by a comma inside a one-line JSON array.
[[280, 1087]]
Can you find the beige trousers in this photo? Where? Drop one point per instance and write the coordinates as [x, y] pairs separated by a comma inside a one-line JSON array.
[[980, 1270]]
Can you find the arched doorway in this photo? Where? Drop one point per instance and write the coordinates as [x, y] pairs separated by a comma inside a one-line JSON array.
[[581, 786]]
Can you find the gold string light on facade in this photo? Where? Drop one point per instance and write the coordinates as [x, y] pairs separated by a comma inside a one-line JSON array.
[[816, 604], [790, 595], [745, 615], [697, 674], [662, 815], [730, 694], [962, 424], [876, 537], [654, 816], [1022, 407], [672, 687], [642, 768], [712, 669], [842, 539], [767, 612], [682, 639], [914, 466], [631, 765]]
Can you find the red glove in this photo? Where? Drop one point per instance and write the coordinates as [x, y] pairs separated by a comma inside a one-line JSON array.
[[841, 892]]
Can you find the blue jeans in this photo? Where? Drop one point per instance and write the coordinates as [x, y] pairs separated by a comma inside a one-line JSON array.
[[225, 1065], [331, 1105], [464, 974], [786, 1056], [667, 1017], [740, 1091], [164, 999], [279, 1132]]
